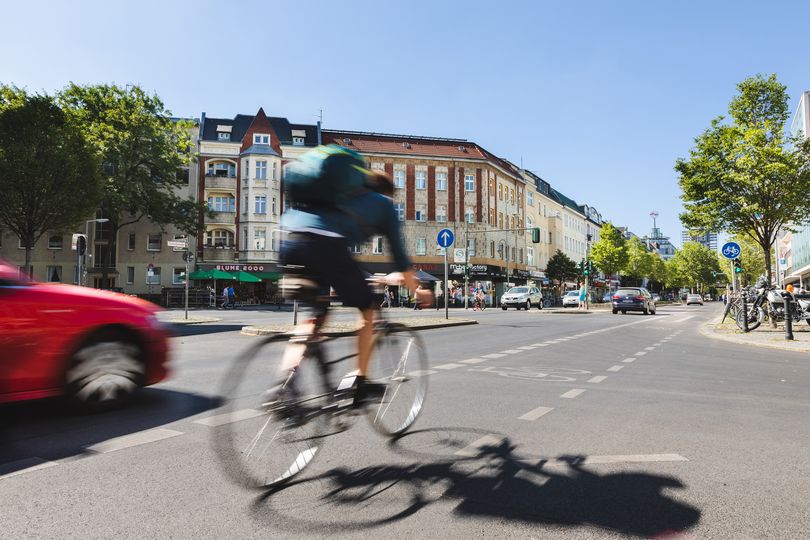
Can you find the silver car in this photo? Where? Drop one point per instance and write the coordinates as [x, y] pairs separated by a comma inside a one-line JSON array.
[[571, 299], [522, 297]]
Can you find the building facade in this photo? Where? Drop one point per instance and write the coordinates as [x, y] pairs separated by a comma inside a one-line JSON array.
[[708, 239], [798, 269]]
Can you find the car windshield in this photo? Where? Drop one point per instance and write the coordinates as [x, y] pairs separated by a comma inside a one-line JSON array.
[[573, 293], [628, 292], [518, 290]]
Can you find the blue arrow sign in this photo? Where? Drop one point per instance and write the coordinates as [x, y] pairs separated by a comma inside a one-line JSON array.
[[731, 250], [445, 238]]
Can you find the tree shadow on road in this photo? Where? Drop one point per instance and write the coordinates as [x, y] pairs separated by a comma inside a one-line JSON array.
[[493, 483]]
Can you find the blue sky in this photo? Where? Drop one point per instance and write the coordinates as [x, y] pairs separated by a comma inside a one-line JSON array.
[[599, 98]]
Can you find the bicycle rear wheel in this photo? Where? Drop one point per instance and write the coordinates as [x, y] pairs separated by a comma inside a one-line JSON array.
[[399, 361], [259, 446]]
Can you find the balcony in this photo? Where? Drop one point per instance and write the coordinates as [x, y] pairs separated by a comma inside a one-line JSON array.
[[220, 182], [219, 254], [225, 218]]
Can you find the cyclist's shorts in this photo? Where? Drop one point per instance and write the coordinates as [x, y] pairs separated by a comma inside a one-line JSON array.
[[326, 261]]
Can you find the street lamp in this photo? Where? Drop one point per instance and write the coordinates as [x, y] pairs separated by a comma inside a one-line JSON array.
[[87, 239]]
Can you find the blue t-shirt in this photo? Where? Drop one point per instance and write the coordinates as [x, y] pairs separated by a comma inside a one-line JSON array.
[[363, 216]]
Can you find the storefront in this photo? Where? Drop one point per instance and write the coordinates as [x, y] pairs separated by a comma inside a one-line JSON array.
[[253, 283]]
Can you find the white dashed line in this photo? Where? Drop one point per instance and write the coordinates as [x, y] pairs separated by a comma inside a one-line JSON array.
[[510, 351], [527, 348], [422, 372], [473, 361], [534, 414], [571, 394], [493, 355], [539, 344], [228, 418], [448, 366], [649, 348], [629, 360], [22, 466], [640, 353], [474, 449], [597, 379], [615, 368], [135, 439]]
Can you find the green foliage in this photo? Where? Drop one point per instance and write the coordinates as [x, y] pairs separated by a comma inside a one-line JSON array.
[[609, 254], [658, 270], [639, 260], [746, 177], [694, 265], [48, 172], [561, 268]]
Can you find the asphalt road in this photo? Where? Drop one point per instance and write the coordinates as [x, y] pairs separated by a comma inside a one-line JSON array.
[[536, 426]]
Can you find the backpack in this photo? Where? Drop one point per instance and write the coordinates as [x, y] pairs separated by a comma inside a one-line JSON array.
[[325, 176]]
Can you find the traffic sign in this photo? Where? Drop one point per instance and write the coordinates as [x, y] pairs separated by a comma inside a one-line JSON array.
[[459, 255], [731, 250], [445, 238], [176, 243]]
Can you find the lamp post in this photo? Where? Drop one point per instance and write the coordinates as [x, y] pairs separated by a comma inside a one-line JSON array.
[[87, 238]]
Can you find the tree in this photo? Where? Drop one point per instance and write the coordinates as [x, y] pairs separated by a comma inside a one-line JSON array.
[[696, 266], [675, 277], [747, 177], [560, 267], [752, 257], [658, 271], [639, 260], [142, 151], [609, 254], [48, 172]]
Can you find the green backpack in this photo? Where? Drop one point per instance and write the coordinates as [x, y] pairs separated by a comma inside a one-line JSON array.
[[325, 176]]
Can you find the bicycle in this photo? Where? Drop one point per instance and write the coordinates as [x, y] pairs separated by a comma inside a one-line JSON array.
[[266, 445]]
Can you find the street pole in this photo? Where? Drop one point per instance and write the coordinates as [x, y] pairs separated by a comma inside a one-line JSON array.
[[446, 289], [187, 257], [86, 250], [733, 275], [466, 261]]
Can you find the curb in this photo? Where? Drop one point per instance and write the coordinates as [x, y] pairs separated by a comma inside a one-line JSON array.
[[259, 331], [190, 320], [706, 329]]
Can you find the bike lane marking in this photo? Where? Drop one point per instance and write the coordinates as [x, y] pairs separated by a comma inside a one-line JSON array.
[[473, 361], [511, 351], [493, 355], [629, 360], [536, 413], [448, 366], [649, 348], [640, 353], [22, 466], [135, 439], [228, 418], [571, 394], [597, 379], [615, 368]]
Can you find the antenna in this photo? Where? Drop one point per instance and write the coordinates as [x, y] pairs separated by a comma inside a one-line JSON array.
[[653, 215]]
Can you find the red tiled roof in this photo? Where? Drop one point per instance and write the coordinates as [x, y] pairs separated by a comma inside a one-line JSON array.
[[393, 144]]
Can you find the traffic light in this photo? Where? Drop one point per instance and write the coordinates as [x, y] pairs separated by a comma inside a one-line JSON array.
[[737, 266], [536, 235], [81, 244], [587, 270]]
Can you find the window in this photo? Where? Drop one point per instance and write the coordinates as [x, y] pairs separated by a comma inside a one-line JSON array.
[[469, 214], [153, 276], [298, 141], [549, 237], [222, 203], [528, 222], [399, 179], [54, 274], [354, 248], [223, 136], [222, 168], [441, 214], [219, 238], [55, 241], [512, 195], [491, 216], [261, 170], [261, 138], [131, 242], [469, 182], [529, 198], [492, 249], [377, 245], [421, 180], [260, 204], [500, 220], [421, 213], [400, 209], [275, 169], [130, 275], [178, 275], [154, 242], [500, 192], [421, 246], [520, 255], [273, 206], [441, 181], [470, 247], [259, 238]]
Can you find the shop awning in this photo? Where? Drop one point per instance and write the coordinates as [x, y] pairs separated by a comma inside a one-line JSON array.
[[245, 277], [211, 274], [268, 276]]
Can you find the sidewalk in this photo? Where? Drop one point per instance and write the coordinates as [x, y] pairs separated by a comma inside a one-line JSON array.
[[764, 336]]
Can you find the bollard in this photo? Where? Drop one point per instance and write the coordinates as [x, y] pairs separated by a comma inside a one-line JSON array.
[[745, 312], [788, 316]]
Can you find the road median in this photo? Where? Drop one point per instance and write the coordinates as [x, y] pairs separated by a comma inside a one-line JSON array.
[[349, 328]]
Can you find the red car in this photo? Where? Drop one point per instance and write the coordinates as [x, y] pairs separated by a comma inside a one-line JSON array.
[[95, 347]]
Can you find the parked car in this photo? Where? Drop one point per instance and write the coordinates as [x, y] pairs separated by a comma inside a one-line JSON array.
[[607, 297], [633, 299], [694, 299], [95, 347], [522, 297], [571, 299], [656, 298]]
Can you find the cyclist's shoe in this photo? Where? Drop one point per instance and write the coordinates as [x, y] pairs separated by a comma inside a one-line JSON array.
[[283, 392], [366, 392]]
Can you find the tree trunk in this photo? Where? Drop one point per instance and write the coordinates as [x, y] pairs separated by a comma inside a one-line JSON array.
[[767, 250], [27, 267]]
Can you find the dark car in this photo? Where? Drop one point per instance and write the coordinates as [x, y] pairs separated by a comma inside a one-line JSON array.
[[633, 299]]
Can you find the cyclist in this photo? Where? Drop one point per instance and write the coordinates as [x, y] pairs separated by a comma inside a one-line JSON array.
[[317, 249]]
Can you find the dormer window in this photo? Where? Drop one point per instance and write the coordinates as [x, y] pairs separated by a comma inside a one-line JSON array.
[[223, 136], [298, 141], [261, 138]]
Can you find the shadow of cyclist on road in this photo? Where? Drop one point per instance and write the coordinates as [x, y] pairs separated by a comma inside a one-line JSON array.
[[494, 483]]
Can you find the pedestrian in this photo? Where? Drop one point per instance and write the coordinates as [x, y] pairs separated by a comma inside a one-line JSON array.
[[225, 297], [232, 297], [386, 298]]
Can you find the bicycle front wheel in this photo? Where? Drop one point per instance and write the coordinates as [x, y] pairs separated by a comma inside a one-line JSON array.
[[399, 361], [261, 446]]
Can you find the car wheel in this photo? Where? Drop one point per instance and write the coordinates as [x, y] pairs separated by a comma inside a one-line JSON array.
[[104, 373], [503, 308], [528, 305], [624, 312], [615, 311]]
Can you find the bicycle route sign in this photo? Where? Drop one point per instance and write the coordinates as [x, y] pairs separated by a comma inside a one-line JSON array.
[[445, 238], [731, 250]]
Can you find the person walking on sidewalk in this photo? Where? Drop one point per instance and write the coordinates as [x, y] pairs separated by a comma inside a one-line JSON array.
[[232, 297], [224, 297], [386, 298]]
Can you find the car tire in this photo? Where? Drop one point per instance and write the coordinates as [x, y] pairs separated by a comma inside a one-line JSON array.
[[503, 308], [615, 311], [104, 373], [624, 312], [528, 305]]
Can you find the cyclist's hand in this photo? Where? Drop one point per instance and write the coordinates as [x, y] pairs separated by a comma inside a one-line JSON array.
[[424, 297]]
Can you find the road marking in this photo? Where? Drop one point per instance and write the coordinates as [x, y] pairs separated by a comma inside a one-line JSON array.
[[527, 347], [136, 439], [22, 466], [510, 351], [422, 372], [634, 458], [629, 360], [597, 379], [228, 418], [615, 368], [448, 366], [571, 394], [474, 448], [649, 348], [493, 355], [552, 342], [534, 414], [473, 360], [539, 344], [640, 353]]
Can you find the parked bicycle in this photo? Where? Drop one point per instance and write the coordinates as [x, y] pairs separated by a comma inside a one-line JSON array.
[[262, 445]]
